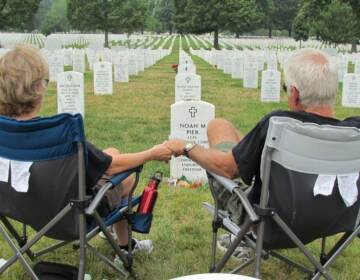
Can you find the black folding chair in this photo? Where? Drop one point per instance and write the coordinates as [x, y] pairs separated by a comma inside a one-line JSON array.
[[288, 214], [56, 204]]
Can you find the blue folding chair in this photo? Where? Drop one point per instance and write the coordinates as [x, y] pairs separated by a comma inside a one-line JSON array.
[[56, 204]]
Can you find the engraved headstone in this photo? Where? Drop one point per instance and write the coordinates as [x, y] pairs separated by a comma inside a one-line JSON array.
[[250, 72], [189, 120], [70, 93], [270, 86], [351, 91], [79, 61], [187, 87], [103, 80], [56, 66]]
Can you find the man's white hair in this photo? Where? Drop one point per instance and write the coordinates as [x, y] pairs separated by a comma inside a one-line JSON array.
[[315, 76]]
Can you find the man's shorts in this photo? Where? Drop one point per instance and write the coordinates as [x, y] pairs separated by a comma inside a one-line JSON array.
[[227, 201]]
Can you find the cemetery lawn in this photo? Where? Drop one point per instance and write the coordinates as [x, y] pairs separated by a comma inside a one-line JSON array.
[[136, 117]]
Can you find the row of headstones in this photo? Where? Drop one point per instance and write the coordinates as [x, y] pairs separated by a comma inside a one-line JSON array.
[[278, 43], [70, 85], [125, 62], [189, 119], [246, 65]]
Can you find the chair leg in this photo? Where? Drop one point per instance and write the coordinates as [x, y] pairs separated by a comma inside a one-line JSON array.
[[20, 240], [18, 256], [301, 246], [82, 249], [233, 245], [338, 251], [112, 242], [215, 227], [259, 248]]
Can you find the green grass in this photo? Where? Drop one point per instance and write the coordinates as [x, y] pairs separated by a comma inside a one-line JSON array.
[[136, 117]]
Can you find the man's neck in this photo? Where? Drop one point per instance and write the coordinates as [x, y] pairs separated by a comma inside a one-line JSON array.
[[325, 111]]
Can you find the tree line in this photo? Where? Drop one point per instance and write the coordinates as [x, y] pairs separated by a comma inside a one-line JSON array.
[[332, 21]]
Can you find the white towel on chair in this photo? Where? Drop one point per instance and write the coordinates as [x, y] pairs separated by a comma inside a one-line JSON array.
[[20, 174], [348, 190]]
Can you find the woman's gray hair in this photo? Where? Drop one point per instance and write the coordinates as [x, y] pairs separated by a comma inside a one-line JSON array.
[[20, 70], [314, 75]]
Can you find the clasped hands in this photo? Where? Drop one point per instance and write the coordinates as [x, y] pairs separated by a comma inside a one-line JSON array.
[[164, 151]]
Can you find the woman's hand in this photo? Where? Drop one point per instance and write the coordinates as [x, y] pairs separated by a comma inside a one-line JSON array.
[[160, 152], [176, 146]]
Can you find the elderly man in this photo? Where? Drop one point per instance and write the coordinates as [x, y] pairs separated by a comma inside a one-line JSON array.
[[311, 83]]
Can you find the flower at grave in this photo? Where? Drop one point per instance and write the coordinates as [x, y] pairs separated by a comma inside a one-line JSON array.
[[183, 182], [175, 67]]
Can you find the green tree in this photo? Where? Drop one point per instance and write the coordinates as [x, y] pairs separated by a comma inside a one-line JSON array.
[[269, 10], [313, 8], [18, 14], [107, 15], [337, 24], [203, 16], [244, 16], [164, 12], [286, 11], [301, 28], [56, 19]]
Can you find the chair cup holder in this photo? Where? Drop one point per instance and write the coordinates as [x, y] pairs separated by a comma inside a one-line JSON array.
[[141, 223]]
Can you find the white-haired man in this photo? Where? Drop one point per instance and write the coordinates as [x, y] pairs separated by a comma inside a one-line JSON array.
[[311, 83]]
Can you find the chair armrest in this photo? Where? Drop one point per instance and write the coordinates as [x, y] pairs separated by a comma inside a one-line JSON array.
[[232, 187], [114, 181], [118, 178]]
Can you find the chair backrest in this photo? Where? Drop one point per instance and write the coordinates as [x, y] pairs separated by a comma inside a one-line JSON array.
[[52, 145], [294, 154]]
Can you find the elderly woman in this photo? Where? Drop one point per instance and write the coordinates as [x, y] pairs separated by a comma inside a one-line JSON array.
[[23, 84]]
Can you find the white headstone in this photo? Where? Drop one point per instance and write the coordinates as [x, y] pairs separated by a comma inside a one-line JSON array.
[[270, 86], [228, 64], [52, 44], [272, 62], [342, 68], [251, 74], [103, 82], [70, 93], [133, 65], [351, 90], [121, 73], [189, 121], [187, 87], [237, 67], [357, 66], [186, 68], [56, 66], [79, 61]]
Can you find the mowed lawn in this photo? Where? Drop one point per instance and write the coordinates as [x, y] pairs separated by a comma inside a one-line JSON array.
[[136, 117]]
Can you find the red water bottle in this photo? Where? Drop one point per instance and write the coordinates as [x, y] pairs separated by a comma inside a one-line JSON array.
[[149, 195]]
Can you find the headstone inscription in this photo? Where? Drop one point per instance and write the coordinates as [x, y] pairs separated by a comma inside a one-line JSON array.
[[70, 93], [351, 91], [270, 86], [187, 87], [103, 82]]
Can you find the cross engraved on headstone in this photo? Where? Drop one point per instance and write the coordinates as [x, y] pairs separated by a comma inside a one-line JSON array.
[[188, 79], [193, 111]]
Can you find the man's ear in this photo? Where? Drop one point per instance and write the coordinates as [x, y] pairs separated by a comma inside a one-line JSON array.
[[296, 95]]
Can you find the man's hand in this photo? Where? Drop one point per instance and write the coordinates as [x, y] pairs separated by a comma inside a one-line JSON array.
[[176, 146]]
